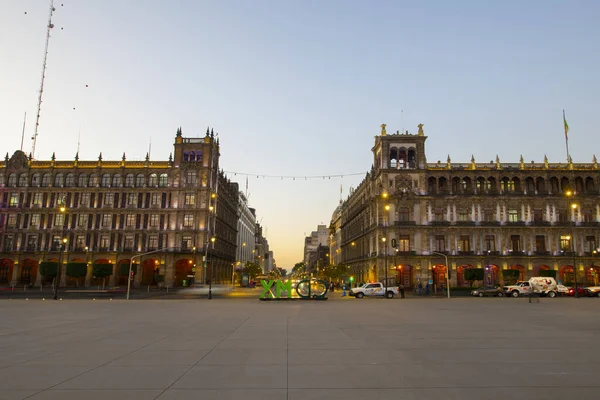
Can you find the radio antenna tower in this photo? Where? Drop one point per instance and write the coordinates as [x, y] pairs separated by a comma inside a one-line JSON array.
[[37, 118]]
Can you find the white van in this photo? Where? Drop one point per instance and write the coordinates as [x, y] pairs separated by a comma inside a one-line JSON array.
[[538, 284]]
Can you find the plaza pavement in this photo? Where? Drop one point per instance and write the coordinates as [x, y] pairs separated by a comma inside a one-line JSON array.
[[227, 348]]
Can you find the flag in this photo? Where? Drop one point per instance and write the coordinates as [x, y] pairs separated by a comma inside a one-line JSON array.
[[566, 126]]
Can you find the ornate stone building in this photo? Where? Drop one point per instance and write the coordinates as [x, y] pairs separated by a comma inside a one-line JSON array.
[[110, 212], [416, 219]]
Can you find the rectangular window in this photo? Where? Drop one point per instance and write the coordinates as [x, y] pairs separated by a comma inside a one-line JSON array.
[[128, 243], [106, 220], [188, 220], [588, 215], [191, 177], [563, 216], [515, 241], [440, 243], [590, 244], [85, 199], [11, 221], [35, 220], [104, 242], [131, 199], [59, 220], [82, 220], [186, 242], [152, 243], [490, 243], [8, 243], [109, 199], [540, 243], [403, 243], [130, 220], [61, 199], [13, 200], [80, 242], [489, 215], [463, 215], [513, 215], [154, 218], [565, 243], [37, 199], [439, 214], [31, 243], [155, 199], [190, 199], [538, 215], [464, 243], [403, 214]]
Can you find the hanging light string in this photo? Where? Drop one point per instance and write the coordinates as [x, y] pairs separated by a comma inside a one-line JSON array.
[[294, 177]]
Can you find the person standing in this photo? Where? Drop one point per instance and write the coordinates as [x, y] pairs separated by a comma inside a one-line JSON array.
[[401, 288], [344, 289]]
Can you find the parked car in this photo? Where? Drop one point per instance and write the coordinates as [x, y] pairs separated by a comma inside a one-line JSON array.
[[373, 289], [562, 290], [540, 285], [593, 291], [495, 291], [580, 289]]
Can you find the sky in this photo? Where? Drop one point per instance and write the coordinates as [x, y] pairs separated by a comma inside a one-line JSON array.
[[300, 88]]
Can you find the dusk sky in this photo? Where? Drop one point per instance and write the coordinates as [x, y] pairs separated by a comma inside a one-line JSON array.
[[300, 88]]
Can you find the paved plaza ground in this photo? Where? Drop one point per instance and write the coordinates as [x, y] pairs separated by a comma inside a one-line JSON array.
[[228, 348]]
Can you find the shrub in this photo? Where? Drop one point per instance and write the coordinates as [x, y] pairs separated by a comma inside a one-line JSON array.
[[102, 270], [48, 269], [124, 270], [548, 273]]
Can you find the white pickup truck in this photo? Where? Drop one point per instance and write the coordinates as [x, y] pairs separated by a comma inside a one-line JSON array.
[[373, 289], [539, 284]]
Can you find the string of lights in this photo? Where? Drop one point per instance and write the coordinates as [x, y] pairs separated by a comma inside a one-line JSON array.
[[294, 177]]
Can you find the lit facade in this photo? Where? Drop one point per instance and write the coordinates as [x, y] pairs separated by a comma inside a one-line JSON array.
[[116, 211], [524, 217]]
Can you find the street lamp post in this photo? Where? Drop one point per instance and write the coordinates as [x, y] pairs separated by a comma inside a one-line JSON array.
[[210, 278], [574, 208], [447, 271], [131, 265], [62, 244]]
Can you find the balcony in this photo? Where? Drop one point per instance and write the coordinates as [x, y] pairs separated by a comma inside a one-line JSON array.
[[541, 223], [515, 253], [405, 223], [440, 223], [489, 223], [515, 223], [541, 253], [466, 253], [465, 223]]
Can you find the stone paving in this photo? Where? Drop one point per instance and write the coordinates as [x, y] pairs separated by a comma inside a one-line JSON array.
[[463, 348]]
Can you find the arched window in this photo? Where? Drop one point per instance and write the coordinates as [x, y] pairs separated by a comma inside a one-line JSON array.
[[93, 180], [106, 178], [140, 180], [23, 180], [70, 181], [36, 179], [83, 180], [59, 180], [163, 181], [411, 162], [12, 180], [153, 181], [590, 187], [540, 186], [129, 180], [116, 182], [46, 180]]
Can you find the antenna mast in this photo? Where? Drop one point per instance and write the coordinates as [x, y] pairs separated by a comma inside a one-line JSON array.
[[23, 133], [37, 118]]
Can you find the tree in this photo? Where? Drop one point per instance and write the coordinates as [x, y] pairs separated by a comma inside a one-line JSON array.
[[282, 272], [473, 274], [299, 269], [76, 270], [548, 273], [252, 270], [511, 275], [48, 269], [102, 271]]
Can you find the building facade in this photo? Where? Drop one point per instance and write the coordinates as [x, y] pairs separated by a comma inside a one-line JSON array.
[[161, 215], [413, 221]]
